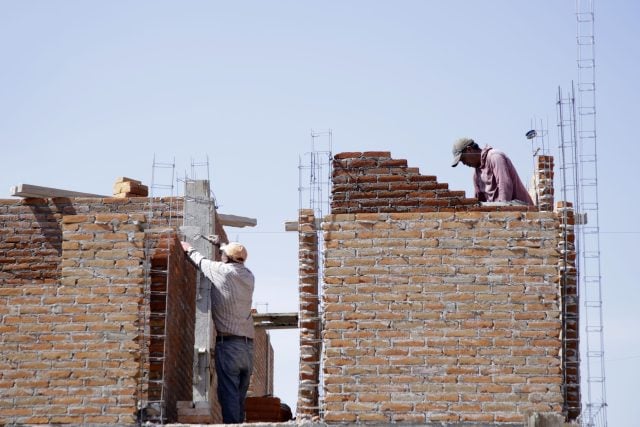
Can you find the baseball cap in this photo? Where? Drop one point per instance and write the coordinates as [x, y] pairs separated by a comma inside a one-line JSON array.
[[458, 148], [235, 251]]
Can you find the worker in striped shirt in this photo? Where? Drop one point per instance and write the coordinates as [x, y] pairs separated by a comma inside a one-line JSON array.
[[231, 299]]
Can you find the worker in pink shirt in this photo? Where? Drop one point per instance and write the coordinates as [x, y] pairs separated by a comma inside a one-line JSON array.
[[495, 178]]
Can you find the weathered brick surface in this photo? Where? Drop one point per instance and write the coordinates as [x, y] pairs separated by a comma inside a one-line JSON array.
[[441, 317]]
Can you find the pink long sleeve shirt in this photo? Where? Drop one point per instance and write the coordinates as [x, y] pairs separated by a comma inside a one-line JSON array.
[[496, 180]]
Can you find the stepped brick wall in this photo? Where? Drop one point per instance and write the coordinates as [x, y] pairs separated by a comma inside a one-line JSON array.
[[372, 181], [436, 309]]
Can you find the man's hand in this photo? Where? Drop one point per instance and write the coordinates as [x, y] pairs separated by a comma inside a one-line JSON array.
[[185, 246], [214, 239]]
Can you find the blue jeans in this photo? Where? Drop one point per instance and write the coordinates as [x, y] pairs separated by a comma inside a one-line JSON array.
[[234, 364]]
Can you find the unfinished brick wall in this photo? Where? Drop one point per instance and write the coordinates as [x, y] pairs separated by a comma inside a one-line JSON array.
[[372, 181], [436, 309], [435, 317]]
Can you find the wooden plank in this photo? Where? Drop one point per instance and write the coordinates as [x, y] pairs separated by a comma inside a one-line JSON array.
[[236, 221], [28, 190]]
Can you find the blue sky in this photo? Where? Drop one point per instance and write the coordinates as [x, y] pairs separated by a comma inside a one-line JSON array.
[[92, 90]]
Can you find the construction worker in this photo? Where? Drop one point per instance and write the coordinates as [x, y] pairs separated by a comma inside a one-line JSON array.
[[495, 178], [231, 299]]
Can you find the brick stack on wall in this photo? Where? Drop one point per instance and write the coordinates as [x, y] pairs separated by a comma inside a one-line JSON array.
[[444, 312]]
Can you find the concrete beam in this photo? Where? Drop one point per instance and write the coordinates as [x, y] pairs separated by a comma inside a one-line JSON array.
[[275, 320], [28, 190], [236, 221]]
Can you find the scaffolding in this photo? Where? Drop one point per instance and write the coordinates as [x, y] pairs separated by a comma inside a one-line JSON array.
[[594, 412]]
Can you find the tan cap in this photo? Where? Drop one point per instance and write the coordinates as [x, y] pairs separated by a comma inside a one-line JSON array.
[[458, 148], [235, 251]]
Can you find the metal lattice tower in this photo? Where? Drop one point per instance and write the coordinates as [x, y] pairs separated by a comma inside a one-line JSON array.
[[594, 408]]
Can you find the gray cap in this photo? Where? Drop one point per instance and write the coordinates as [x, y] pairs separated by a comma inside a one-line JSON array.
[[458, 148]]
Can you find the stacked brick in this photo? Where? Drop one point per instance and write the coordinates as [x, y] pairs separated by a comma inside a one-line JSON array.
[[263, 409], [441, 317], [127, 187], [568, 278], [372, 181], [544, 183], [309, 318]]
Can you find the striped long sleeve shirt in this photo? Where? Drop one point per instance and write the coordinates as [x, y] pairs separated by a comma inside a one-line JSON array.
[[231, 295]]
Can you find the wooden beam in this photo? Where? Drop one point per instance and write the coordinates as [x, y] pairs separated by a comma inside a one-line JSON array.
[[236, 221], [28, 190], [275, 320]]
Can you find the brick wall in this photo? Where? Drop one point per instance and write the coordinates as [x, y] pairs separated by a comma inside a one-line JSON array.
[[437, 309], [180, 311], [450, 316], [262, 377], [372, 181], [70, 291]]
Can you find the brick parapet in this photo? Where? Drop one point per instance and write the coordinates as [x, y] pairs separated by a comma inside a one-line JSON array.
[[441, 317]]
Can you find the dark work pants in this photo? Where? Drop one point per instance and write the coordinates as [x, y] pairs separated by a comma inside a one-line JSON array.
[[234, 364]]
